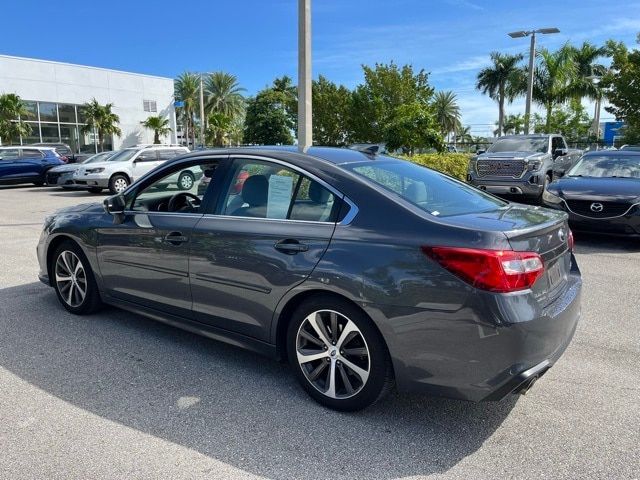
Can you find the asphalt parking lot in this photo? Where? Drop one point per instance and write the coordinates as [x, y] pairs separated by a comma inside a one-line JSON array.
[[116, 395]]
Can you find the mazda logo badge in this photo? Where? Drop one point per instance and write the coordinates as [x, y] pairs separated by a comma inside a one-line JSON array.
[[596, 207]]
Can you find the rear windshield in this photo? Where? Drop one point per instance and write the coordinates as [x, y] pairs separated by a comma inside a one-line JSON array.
[[539, 145], [604, 166], [433, 192]]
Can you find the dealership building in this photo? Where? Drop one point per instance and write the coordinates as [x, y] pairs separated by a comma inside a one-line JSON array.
[[54, 91]]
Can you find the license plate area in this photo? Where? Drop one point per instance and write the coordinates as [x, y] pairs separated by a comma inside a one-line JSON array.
[[555, 275]]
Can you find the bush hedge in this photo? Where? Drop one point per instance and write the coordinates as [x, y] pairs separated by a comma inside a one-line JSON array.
[[454, 164]]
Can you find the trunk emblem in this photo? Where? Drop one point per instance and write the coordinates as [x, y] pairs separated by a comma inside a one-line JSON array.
[[596, 207]]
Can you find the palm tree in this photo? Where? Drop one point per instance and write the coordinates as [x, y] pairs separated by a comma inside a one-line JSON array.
[[586, 70], [446, 111], [223, 94], [502, 81], [553, 79], [12, 113], [187, 90], [159, 125], [463, 134], [513, 124], [100, 120], [218, 127]]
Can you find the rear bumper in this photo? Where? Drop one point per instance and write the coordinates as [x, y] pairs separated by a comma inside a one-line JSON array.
[[485, 350]]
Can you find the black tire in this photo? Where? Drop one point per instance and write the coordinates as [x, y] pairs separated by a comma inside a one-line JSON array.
[[118, 183], [547, 181], [95, 189], [380, 378], [81, 305], [186, 181], [38, 183]]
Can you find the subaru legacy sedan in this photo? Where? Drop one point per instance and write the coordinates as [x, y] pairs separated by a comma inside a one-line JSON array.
[[363, 271]]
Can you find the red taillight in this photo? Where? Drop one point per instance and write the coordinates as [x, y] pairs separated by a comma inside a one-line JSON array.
[[570, 241], [494, 270]]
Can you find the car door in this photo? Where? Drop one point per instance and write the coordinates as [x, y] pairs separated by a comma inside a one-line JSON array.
[[265, 237], [146, 161], [30, 164], [8, 163], [144, 259]]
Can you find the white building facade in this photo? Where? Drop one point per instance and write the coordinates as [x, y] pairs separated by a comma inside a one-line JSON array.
[[54, 91]]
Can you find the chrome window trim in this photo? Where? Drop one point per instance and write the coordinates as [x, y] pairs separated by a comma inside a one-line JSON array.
[[599, 218]]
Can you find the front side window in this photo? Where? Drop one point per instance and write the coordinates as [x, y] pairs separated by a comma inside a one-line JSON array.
[[147, 156], [261, 189], [180, 190], [429, 190], [122, 156]]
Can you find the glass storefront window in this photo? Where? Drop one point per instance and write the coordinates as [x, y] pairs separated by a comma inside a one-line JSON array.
[[49, 132], [34, 136], [67, 113], [87, 144], [32, 108], [69, 135], [48, 112]]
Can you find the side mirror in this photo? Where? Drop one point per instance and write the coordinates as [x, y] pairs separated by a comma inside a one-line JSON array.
[[480, 151], [115, 205], [560, 152]]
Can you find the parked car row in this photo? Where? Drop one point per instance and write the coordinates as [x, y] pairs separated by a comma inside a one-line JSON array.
[[107, 170]]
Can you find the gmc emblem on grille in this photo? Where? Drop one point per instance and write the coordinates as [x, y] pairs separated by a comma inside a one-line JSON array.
[[596, 207]]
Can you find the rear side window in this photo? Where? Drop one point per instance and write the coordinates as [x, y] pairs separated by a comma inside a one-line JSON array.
[[9, 154], [261, 189], [433, 192]]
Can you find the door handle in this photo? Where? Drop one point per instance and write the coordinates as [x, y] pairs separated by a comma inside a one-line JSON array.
[[175, 238], [290, 246]]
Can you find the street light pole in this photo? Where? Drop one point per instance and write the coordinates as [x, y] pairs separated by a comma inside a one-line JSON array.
[[305, 125], [201, 112], [532, 66]]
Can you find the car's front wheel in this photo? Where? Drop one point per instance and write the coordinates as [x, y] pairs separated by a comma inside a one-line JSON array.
[[186, 181], [118, 183], [338, 355], [73, 279]]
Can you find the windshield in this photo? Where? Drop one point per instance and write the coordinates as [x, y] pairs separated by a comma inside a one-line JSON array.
[[122, 156], [526, 144], [603, 166], [99, 157], [433, 192]]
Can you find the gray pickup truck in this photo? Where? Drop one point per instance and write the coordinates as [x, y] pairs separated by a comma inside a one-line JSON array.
[[521, 165]]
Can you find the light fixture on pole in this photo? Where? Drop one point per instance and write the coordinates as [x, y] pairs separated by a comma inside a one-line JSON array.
[[532, 57], [305, 128]]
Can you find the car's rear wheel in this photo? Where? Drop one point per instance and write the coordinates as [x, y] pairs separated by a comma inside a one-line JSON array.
[[338, 355], [95, 189], [186, 181], [118, 183], [73, 279]]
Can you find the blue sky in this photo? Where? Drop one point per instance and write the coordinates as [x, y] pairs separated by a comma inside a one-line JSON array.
[[257, 40]]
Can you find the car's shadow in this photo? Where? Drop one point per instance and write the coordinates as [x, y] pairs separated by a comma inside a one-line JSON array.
[[77, 193], [226, 403]]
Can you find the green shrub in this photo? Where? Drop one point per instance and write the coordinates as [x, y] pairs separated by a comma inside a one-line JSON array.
[[454, 164]]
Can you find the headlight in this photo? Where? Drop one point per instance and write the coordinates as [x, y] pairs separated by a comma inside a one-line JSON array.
[[95, 170], [472, 164], [535, 165], [549, 197]]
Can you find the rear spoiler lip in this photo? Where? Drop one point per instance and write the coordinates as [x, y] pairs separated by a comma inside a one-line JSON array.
[[540, 228]]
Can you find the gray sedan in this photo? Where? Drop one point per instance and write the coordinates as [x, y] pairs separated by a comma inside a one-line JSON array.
[[362, 270], [62, 176]]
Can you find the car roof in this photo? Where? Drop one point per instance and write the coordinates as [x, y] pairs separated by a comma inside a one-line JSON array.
[[613, 153], [22, 147], [335, 155], [533, 135]]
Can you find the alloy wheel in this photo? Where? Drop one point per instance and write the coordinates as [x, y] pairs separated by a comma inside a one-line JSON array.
[[71, 278], [333, 354], [186, 182]]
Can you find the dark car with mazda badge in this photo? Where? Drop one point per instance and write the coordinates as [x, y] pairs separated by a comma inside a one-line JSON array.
[[363, 271], [601, 193]]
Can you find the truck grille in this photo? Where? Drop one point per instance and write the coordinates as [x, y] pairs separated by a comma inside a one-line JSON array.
[[609, 209], [500, 168]]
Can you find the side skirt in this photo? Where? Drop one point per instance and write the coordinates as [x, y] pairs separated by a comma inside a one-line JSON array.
[[192, 326]]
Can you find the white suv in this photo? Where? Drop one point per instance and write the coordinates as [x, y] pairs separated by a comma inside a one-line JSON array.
[[124, 167]]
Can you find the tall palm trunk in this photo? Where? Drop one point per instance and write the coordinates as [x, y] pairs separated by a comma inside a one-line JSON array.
[[547, 124], [501, 108]]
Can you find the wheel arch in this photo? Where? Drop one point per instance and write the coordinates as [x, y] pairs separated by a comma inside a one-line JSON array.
[[124, 174], [285, 312], [51, 248]]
